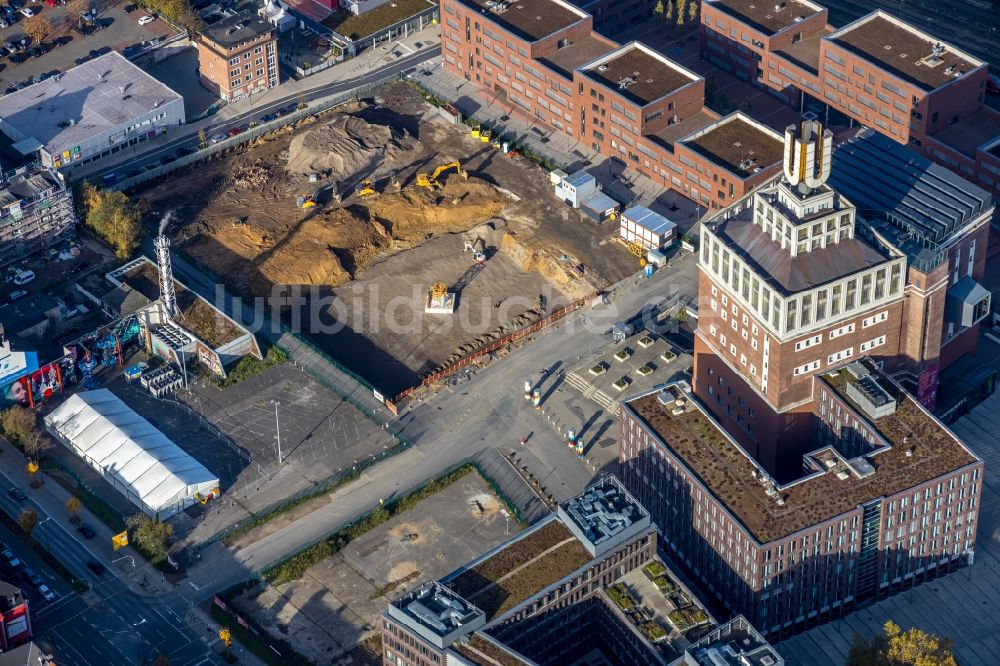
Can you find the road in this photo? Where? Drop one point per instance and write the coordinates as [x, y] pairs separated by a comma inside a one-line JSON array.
[[485, 410], [110, 624], [187, 135]]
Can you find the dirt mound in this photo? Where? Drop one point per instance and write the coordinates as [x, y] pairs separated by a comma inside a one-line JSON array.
[[343, 146], [414, 213], [557, 268]]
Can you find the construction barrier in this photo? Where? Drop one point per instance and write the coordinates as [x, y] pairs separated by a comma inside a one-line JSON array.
[[499, 343]]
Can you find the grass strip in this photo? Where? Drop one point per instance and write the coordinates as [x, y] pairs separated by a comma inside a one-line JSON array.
[[297, 564]]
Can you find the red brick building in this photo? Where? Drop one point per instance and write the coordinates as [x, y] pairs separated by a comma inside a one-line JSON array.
[[238, 56], [886, 499], [878, 72], [543, 60], [792, 283], [542, 597], [794, 476]]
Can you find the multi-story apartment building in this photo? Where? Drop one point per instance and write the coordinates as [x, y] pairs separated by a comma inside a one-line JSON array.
[[888, 498], [539, 58], [36, 211], [878, 72], [543, 597], [238, 56], [626, 101]]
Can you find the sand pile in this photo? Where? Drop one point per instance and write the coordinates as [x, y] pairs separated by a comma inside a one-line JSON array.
[[343, 146], [413, 213], [543, 261]]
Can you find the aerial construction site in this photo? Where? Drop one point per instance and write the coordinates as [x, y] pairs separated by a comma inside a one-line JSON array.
[[347, 203]]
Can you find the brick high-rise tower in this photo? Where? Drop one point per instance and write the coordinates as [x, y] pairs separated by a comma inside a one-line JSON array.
[[788, 290]]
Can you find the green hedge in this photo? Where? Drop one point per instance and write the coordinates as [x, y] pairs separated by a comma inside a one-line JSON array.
[[248, 367]]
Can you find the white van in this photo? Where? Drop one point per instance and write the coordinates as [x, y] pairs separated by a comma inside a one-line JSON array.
[[24, 277]]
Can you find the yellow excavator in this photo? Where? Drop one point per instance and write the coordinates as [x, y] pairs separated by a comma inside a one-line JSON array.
[[431, 181], [365, 188]]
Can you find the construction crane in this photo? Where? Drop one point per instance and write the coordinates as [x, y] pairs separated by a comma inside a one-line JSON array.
[[365, 188], [431, 181]]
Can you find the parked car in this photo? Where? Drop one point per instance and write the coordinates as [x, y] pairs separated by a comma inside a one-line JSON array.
[[17, 494], [187, 151], [267, 117], [4, 23], [7, 554], [235, 131], [46, 593], [86, 530], [29, 575], [96, 567], [146, 19], [27, 11], [217, 138], [14, 295]]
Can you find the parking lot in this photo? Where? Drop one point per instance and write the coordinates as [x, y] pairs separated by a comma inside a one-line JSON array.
[[66, 45]]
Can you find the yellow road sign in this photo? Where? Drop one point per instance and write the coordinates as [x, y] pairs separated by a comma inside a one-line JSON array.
[[120, 540]]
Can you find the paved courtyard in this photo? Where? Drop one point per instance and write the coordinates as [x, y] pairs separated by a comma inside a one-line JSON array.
[[961, 606]]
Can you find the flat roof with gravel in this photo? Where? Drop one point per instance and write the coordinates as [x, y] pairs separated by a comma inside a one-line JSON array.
[[737, 144], [577, 54], [638, 73], [921, 450], [530, 20], [904, 51], [768, 16]]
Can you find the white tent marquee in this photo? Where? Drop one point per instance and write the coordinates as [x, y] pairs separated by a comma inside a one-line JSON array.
[[136, 458]]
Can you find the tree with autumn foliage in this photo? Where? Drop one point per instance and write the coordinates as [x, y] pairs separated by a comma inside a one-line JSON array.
[[895, 647]]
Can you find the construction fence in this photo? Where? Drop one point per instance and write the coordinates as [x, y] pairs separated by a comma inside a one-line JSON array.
[[212, 150], [498, 344]]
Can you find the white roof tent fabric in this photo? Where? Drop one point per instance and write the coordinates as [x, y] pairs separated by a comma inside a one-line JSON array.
[[136, 458]]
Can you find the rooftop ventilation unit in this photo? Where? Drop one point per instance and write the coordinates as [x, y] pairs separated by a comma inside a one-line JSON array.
[[625, 83]]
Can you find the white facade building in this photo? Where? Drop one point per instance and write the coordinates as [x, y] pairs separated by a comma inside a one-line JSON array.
[[92, 111]]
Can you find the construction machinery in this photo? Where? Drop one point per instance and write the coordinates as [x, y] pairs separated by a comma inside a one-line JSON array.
[[431, 181], [485, 135], [305, 201], [393, 178], [478, 250], [365, 188]]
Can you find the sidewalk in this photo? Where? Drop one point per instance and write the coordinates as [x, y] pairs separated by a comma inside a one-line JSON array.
[[369, 62], [51, 499], [203, 626]]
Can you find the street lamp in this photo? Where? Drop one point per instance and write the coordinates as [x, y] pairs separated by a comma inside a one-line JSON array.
[[40, 523], [277, 428], [142, 641]]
